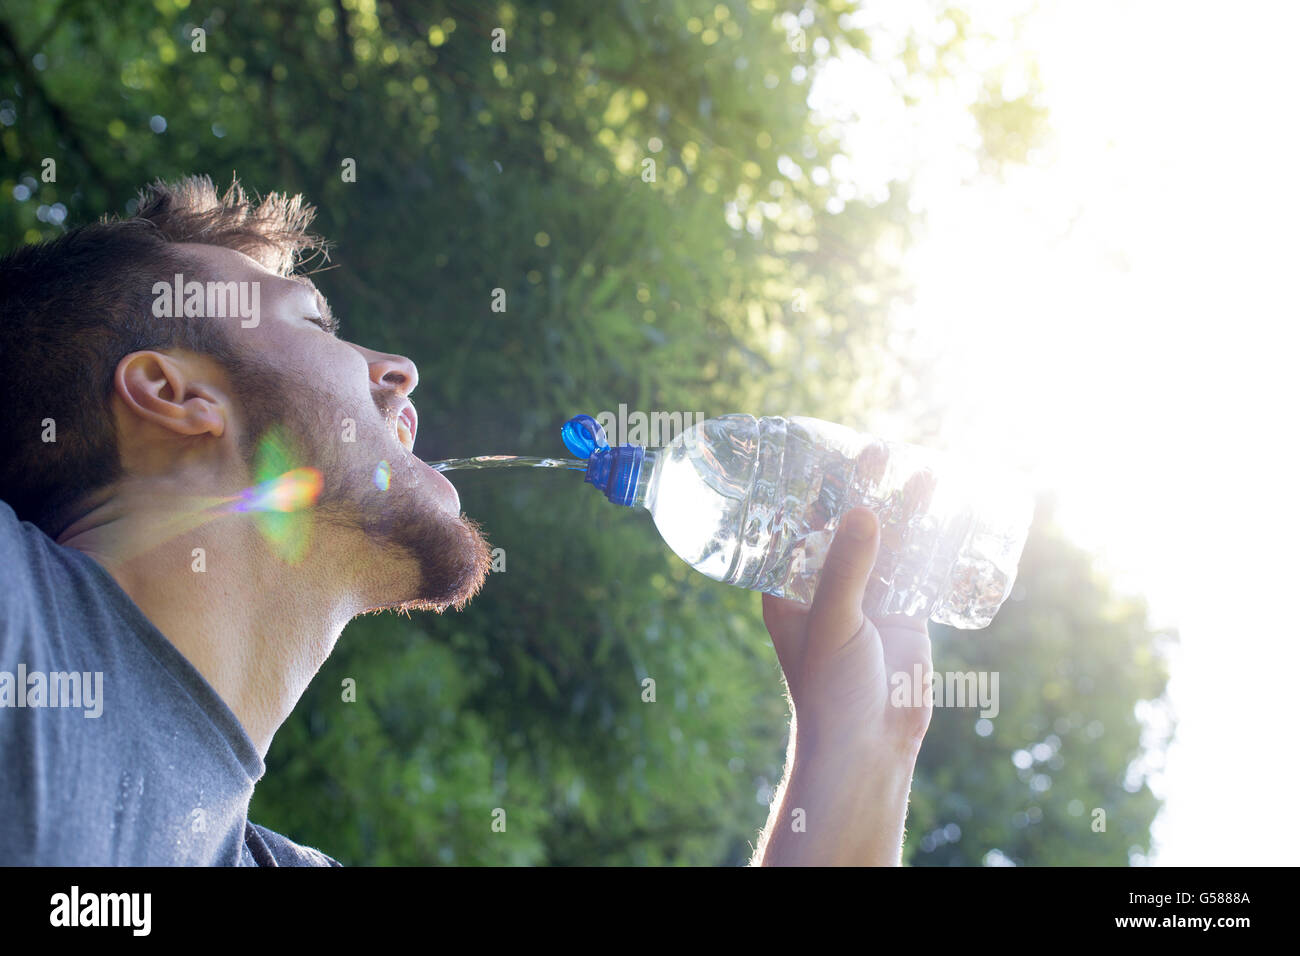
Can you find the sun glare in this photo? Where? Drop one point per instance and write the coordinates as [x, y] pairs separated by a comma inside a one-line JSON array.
[[1116, 317]]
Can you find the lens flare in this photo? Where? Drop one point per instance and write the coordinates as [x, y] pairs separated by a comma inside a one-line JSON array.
[[382, 475], [292, 491], [281, 503]]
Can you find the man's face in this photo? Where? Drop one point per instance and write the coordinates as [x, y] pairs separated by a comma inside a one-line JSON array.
[[347, 408]]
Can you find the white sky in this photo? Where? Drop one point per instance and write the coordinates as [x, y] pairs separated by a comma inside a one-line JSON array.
[[1120, 317]]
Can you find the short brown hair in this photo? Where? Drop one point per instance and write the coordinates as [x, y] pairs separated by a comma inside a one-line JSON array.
[[72, 307]]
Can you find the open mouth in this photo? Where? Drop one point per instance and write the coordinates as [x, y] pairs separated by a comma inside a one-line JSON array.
[[405, 427]]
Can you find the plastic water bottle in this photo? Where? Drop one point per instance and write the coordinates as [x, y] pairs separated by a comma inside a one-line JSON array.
[[754, 502]]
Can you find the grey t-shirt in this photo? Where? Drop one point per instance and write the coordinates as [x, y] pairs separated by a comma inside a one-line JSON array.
[[114, 749]]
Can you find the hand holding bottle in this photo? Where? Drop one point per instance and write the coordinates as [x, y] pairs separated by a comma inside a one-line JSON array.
[[852, 751]]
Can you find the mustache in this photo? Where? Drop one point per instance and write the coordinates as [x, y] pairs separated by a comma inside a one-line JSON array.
[[389, 404]]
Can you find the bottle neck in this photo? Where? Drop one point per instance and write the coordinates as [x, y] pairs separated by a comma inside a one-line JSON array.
[[643, 496]]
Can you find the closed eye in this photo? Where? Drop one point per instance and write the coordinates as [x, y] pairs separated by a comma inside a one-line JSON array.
[[326, 322]]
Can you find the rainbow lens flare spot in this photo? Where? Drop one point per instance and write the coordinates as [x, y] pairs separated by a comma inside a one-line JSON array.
[[292, 491], [382, 475], [281, 503]]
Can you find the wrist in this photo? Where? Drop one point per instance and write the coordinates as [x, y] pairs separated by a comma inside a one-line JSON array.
[[878, 745], [877, 776], [843, 809]]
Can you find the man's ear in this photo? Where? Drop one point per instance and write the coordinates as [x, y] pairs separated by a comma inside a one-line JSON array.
[[176, 392]]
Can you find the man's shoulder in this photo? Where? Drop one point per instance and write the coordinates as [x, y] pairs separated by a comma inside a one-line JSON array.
[[271, 849], [16, 537]]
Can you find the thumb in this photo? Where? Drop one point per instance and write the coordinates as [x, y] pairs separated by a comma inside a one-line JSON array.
[[836, 614]]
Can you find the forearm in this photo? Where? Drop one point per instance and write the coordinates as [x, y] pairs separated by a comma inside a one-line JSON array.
[[835, 810]]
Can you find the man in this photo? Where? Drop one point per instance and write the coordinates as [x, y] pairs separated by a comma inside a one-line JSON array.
[[167, 600]]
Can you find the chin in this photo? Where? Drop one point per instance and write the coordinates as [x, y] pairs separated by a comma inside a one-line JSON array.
[[452, 570], [452, 557]]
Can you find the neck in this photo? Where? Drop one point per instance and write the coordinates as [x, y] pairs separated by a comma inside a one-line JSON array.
[[255, 626]]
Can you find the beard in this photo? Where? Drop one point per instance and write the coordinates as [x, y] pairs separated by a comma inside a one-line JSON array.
[[449, 550]]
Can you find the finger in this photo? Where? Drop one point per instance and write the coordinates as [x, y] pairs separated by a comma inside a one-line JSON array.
[[905, 642], [836, 614], [785, 621]]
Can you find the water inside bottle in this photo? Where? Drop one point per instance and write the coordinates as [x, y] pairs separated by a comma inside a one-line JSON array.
[[756, 504]]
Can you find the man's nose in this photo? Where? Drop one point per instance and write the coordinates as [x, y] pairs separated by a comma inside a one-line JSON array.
[[391, 371]]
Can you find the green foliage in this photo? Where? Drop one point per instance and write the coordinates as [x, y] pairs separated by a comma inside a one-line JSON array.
[[720, 283]]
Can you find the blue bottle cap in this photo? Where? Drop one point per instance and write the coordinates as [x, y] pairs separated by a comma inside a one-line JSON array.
[[615, 470], [583, 435]]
